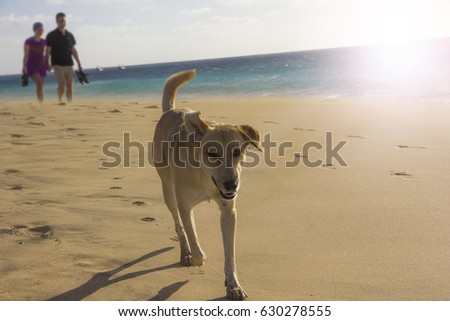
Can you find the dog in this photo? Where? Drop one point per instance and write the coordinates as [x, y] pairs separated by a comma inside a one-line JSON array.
[[200, 160]]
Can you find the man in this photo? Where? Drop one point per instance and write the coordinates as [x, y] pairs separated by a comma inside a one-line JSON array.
[[61, 47]]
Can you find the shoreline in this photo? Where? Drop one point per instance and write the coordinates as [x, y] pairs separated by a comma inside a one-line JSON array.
[[189, 98]]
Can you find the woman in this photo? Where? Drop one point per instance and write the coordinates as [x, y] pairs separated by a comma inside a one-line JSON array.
[[33, 60]]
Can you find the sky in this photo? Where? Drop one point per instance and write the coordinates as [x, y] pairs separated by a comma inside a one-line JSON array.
[[131, 32]]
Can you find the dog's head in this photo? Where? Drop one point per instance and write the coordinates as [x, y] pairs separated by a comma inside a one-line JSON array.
[[222, 150]]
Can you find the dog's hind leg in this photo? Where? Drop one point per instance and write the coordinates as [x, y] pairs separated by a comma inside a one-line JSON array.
[[228, 220], [187, 217], [171, 202]]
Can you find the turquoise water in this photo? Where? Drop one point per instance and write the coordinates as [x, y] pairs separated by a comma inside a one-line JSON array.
[[416, 71]]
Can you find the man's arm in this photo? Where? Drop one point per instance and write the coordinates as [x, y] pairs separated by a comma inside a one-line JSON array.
[[47, 58], [77, 57]]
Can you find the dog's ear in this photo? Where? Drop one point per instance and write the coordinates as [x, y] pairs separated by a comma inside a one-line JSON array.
[[194, 124], [250, 135]]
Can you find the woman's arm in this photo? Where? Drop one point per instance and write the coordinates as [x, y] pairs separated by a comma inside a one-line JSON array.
[[26, 52], [47, 58]]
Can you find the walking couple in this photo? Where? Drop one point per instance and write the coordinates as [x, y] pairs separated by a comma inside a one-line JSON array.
[[55, 52]]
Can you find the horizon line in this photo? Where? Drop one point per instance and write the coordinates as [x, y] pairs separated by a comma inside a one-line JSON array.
[[267, 53]]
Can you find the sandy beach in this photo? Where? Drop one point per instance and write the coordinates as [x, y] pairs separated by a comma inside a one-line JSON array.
[[377, 229]]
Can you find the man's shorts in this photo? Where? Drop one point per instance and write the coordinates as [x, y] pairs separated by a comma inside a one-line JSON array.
[[63, 74]]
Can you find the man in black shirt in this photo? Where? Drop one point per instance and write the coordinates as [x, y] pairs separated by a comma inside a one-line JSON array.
[[61, 47]]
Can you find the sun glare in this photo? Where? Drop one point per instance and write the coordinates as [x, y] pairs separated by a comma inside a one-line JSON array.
[[395, 25], [398, 61]]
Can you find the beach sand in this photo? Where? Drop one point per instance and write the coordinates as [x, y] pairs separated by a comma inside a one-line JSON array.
[[377, 229]]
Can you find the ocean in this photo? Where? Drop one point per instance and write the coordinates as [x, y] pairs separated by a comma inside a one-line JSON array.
[[417, 71]]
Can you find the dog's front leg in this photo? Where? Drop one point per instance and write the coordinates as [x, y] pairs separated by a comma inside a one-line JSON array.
[[228, 220], [187, 217]]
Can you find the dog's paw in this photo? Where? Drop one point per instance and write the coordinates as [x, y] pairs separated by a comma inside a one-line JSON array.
[[186, 260], [236, 293], [199, 260]]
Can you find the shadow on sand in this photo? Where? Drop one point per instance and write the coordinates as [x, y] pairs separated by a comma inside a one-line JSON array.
[[167, 291], [103, 279]]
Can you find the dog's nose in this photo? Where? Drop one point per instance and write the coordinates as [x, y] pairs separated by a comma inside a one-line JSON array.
[[230, 186]]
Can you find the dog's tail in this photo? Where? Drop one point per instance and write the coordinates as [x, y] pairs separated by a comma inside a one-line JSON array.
[[172, 84]]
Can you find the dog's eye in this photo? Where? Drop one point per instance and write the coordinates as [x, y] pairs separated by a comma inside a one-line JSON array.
[[236, 152], [213, 155]]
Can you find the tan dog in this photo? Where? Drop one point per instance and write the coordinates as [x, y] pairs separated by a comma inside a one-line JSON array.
[[197, 161]]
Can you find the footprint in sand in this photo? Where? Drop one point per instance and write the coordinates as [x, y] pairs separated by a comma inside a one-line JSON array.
[[17, 135], [406, 146], [115, 187], [115, 110], [305, 129], [152, 107], [11, 171], [16, 187], [401, 174], [117, 178], [36, 123], [41, 231], [139, 203], [270, 122], [21, 143], [148, 219], [198, 272], [5, 231], [298, 155]]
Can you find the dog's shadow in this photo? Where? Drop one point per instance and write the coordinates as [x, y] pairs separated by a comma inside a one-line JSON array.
[[167, 291], [104, 279]]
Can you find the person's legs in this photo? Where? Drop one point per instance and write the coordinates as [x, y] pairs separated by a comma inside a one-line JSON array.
[[60, 92], [68, 75], [43, 87], [69, 92], [39, 81], [61, 80]]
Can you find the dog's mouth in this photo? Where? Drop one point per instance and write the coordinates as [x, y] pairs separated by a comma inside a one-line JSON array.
[[225, 196]]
